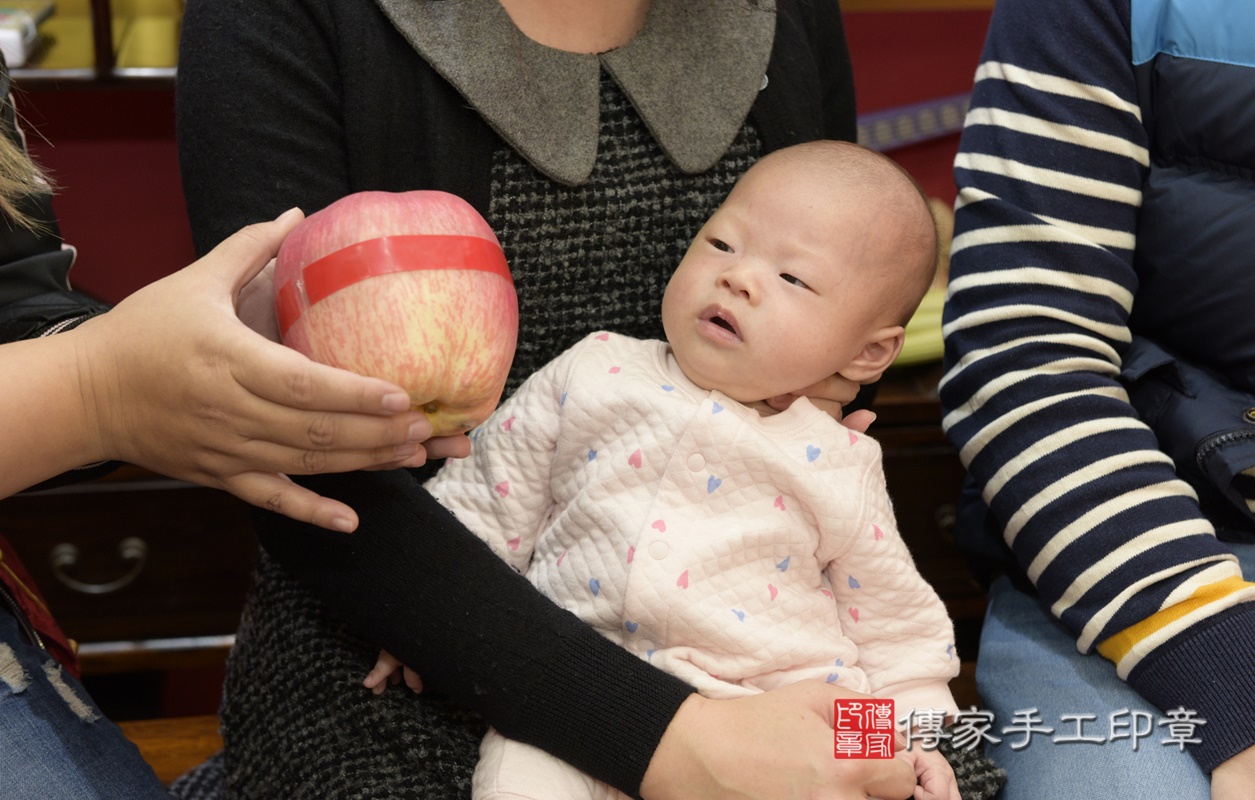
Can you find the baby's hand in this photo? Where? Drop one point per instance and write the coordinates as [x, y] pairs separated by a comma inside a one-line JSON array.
[[935, 775], [389, 670], [829, 396]]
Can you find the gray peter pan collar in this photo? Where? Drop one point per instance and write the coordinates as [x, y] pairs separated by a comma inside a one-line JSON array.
[[546, 103]]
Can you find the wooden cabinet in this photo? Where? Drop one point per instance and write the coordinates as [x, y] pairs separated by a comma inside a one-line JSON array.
[[144, 572]]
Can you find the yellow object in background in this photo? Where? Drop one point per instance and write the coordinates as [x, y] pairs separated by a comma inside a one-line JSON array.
[[147, 41], [65, 22], [146, 33], [923, 333], [39, 10]]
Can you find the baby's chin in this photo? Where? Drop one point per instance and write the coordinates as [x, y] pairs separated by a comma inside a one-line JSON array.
[[737, 393], [752, 397]]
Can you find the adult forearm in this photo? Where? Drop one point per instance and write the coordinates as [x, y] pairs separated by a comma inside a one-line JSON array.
[[415, 581], [47, 426]]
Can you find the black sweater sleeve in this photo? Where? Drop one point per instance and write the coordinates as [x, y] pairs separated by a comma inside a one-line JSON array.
[[413, 579], [259, 114]]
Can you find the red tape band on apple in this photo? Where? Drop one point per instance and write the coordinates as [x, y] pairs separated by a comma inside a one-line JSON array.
[[383, 256]]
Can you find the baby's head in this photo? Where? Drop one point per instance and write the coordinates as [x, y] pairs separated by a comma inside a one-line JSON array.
[[811, 267]]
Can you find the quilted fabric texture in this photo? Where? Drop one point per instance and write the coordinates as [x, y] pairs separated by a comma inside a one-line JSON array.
[[736, 551]]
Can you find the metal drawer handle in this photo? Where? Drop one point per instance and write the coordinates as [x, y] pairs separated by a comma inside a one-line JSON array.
[[65, 556]]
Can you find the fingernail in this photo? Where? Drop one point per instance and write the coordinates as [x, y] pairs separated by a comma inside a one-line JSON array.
[[396, 401], [287, 215], [342, 524], [420, 431], [405, 450]]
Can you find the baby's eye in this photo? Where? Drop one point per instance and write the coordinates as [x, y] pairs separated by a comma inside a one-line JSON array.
[[794, 280], [720, 244]]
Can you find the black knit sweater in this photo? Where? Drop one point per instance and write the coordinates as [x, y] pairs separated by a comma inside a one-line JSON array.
[[286, 103]]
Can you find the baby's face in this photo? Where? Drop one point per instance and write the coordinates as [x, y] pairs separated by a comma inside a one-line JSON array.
[[774, 293]]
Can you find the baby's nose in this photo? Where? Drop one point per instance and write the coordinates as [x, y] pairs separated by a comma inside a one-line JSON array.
[[742, 282]]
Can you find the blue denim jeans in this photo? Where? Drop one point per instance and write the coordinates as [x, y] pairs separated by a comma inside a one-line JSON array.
[[1029, 661], [54, 742]]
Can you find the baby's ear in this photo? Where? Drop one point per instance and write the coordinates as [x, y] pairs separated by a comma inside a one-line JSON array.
[[876, 355]]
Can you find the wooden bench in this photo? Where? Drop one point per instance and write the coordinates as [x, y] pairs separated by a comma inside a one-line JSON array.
[[175, 745]]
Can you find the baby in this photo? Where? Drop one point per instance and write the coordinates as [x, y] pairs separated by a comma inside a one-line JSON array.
[[651, 489]]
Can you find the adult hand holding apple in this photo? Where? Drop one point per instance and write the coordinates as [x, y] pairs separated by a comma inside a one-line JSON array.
[[411, 287]]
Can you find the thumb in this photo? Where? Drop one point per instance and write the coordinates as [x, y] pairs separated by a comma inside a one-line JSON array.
[[859, 420], [241, 256], [821, 697]]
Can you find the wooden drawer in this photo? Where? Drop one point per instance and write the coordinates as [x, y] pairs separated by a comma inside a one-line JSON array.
[[135, 556], [924, 482]]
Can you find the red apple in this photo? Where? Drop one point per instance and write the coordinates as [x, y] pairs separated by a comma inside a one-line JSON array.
[[411, 287]]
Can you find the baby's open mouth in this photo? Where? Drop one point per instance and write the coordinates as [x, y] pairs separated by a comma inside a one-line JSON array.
[[721, 318]]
